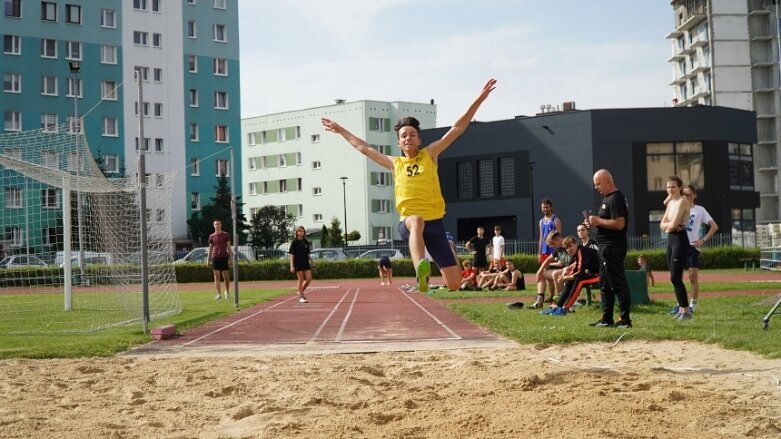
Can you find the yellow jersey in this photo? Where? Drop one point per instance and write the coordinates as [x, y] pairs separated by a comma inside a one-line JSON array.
[[417, 187]]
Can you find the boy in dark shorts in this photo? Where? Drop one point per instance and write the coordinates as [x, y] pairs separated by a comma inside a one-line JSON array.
[[219, 256], [386, 270]]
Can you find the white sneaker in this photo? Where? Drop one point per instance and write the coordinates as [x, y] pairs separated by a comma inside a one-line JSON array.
[[227, 294], [217, 297], [303, 300]]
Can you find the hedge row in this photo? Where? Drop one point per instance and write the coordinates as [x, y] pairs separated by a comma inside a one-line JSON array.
[[720, 257]]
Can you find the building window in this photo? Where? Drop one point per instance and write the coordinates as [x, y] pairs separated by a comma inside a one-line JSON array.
[[221, 134], [13, 235], [221, 100], [155, 5], [147, 141], [507, 176], [159, 147], [74, 87], [220, 4], [684, 159], [110, 126], [220, 66], [194, 136], [108, 18], [317, 191], [12, 45], [49, 199], [13, 8], [157, 74], [48, 11], [143, 72], [465, 180], [282, 185], [12, 121], [108, 54], [251, 164], [12, 83], [48, 85], [13, 197], [485, 178], [743, 220], [159, 215], [315, 138], [253, 188], [157, 40], [195, 166], [140, 38], [73, 50], [192, 63], [741, 167], [48, 48], [111, 163], [139, 5], [222, 168], [381, 206], [49, 160], [317, 217], [49, 123], [75, 125], [144, 108], [195, 201], [108, 90], [317, 165], [158, 112], [193, 97], [281, 161], [219, 33], [379, 124], [191, 29], [73, 14]]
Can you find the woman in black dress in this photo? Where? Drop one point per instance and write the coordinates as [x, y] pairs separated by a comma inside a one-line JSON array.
[[301, 262]]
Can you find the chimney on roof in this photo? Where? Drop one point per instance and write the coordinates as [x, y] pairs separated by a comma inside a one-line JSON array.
[[568, 106], [339, 101]]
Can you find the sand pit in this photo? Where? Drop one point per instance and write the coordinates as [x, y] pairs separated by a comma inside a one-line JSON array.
[[628, 390]]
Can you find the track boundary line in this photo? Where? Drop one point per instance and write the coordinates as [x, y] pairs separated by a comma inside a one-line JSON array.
[[222, 328], [347, 316], [439, 322]]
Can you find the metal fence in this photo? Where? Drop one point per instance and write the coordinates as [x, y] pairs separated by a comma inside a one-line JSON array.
[[515, 246]]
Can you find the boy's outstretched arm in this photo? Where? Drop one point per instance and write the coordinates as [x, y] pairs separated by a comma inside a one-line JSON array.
[[358, 143], [462, 123]]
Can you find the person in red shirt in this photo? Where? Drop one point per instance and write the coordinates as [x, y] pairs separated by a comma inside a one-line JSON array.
[[219, 257], [468, 276]]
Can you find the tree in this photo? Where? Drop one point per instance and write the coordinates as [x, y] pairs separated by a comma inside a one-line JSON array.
[[270, 226], [324, 237], [335, 235], [354, 236], [219, 208]]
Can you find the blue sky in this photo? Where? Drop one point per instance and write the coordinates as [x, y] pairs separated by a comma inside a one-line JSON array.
[[299, 54]]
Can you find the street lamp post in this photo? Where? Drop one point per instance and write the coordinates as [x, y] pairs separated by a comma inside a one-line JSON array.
[[531, 197], [344, 196]]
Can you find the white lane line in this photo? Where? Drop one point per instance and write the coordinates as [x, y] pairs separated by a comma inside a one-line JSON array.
[[347, 317], [239, 321], [433, 317], [328, 317]]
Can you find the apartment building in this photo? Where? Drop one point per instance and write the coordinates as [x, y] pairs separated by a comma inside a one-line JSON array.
[[187, 55], [290, 161], [726, 53]]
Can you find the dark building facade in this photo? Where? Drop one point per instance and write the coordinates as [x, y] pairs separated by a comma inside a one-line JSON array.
[[497, 172]]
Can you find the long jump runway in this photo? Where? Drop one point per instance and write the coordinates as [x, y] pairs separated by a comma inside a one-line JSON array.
[[337, 319]]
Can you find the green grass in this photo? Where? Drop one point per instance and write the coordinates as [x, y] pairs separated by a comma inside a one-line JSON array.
[[732, 322], [198, 308]]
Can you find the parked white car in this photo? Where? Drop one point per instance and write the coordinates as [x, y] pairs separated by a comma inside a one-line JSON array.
[[391, 253], [18, 261]]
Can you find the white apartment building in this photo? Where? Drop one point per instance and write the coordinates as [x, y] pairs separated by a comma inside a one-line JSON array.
[[289, 160], [726, 53]]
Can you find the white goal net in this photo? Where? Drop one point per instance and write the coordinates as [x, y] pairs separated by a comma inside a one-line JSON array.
[[70, 249]]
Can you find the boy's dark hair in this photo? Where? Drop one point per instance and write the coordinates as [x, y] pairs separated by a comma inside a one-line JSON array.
[[407, 122], [547, 201], [676, 179]]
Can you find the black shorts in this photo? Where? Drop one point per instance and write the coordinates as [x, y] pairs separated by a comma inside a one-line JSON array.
[[220, 264], [385, 262], [301, 264]]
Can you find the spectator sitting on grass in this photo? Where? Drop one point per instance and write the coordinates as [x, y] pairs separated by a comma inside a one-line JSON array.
[[510, 279], [468, 276], [486, 278]]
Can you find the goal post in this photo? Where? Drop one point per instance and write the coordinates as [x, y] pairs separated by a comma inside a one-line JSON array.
[[54, 278]]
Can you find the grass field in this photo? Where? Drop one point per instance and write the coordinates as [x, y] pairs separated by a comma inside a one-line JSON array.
[[732, 322]]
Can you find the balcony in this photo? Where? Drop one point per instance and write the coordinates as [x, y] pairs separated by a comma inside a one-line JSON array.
[[678, 81], [691, 22], [762, 63], [674, 34], [761, 38], [700, 43]]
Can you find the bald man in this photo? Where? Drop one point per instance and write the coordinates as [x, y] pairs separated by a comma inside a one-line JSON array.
[[611, 221]]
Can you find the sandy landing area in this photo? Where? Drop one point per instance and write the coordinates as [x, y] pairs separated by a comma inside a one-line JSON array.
[[627, 390]]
